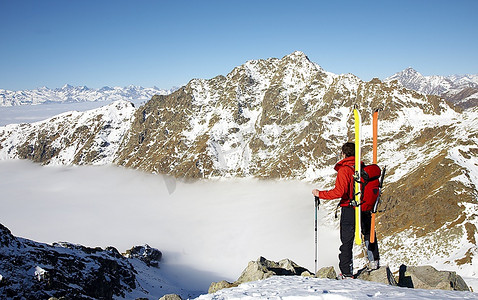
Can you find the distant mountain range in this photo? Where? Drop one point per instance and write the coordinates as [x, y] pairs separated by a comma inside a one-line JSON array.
[[287, 119], [461, 90], [69, 93]]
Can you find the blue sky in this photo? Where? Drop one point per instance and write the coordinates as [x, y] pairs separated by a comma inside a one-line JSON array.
[[167, 43]]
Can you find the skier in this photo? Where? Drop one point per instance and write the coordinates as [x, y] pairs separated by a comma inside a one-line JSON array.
[[344, 190]]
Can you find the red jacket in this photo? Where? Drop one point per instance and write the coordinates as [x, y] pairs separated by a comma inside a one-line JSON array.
[[344, 184]]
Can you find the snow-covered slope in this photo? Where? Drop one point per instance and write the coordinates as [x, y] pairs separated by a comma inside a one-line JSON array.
[[286, 119], [462, 90], [91, 137], [69, 93]]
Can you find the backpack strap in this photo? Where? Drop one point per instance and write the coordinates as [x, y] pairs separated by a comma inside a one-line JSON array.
[[353, 186]]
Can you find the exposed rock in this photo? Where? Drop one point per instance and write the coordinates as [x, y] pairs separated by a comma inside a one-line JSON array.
[[427, 277], [171, 297], [216, 286], [32, 270], [306, 274], [382, 275], [263, 268], [6, 237], [256, 270], [260, 269], [150, 256], [326, 272]]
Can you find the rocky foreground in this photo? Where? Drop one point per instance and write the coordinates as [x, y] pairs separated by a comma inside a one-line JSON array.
[[422, 277], [32, 270]]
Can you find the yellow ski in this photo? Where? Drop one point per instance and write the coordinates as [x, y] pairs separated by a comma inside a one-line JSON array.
[[357, 119]]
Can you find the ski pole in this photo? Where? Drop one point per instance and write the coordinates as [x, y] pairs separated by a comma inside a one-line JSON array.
[[317, 202]]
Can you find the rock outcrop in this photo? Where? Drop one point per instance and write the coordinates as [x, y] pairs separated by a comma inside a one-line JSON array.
[[171, 297], [427, 277], [260, 269], [32, 270], [263, 268], [382, 275], [150, 256], [326, 272]]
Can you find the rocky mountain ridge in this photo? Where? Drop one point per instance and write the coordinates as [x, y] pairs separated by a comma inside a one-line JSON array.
[[286, 119], [69, 93], [461, 90], [33, 270]]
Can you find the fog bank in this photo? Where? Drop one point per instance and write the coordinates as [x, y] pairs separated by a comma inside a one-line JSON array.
[[206, 227]]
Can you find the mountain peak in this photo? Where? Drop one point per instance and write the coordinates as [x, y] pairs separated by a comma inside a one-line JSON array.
[[409, 72], [296, 55]]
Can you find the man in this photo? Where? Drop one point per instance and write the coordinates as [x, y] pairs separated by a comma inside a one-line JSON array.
[[344, 190]]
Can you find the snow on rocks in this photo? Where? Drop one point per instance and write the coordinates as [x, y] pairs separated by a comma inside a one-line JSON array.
[[260, 275], [32, 270], [298, 287], [145, 253]]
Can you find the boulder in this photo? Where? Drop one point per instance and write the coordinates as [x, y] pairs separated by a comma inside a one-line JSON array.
[[306, 274], [427, 277], [260, 269], [171, 297], [292, 267], [326, 272], [382, 275], [216, 286], [263, 268], [256, 270]]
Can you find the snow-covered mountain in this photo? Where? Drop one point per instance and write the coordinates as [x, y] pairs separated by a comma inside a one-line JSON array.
[[69, 93], [461, 90], [286, 119], [81, 137]]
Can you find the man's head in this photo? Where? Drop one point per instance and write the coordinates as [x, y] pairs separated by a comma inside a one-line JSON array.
[[348, 149]]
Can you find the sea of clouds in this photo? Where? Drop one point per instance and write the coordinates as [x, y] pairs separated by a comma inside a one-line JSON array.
[[207, 230]]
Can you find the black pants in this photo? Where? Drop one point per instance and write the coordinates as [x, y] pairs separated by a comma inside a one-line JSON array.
[[347, 235]]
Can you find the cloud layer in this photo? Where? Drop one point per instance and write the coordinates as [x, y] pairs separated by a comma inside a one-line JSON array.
[[214, 227]]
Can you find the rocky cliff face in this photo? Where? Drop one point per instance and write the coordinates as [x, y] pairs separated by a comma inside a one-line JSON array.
[[287, 118]]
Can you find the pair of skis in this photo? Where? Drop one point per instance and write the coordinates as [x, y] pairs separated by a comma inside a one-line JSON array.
[[358, 155]]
